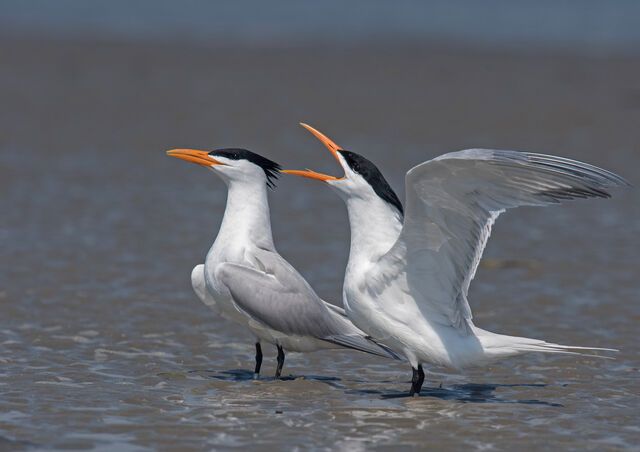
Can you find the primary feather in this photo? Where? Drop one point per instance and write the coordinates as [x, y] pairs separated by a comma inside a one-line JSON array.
[[451, 204]]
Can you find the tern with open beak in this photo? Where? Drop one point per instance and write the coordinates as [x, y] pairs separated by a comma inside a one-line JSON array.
[[245, 280], [409, 270]]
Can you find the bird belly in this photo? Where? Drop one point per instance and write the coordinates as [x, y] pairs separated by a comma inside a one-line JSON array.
[[394, 318]]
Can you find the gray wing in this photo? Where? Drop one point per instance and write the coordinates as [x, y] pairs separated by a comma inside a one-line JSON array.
[[335, 308], [451, 204], [277, 296]]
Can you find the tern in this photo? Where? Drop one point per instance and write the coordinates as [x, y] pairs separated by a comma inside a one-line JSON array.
[[409, 271], [245, 280]]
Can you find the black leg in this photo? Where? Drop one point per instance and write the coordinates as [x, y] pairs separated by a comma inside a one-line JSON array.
[[258, 358], [416, 380], [420, 377], [280, 362]]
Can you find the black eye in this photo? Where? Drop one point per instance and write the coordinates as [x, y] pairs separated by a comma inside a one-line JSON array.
[[373, 176], [271, 169]]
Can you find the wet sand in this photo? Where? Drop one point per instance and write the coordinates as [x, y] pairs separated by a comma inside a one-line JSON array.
[[105, 346]]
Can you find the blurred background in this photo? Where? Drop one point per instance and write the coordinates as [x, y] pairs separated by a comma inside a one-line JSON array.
[[104, 344]]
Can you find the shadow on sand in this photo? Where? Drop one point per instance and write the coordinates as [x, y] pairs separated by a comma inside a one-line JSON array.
[[244, 375], [466, 393]]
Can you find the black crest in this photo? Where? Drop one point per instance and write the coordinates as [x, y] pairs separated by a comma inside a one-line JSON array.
[[374, 177], [271, 169]]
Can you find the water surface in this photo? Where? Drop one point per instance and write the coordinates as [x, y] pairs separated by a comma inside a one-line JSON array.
[[105, 347]]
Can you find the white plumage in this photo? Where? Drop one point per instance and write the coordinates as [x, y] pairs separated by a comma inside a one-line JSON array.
[[246, 281], [408, 275]]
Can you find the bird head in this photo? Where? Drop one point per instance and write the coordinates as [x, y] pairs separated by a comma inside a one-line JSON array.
[[232, 164], [361, 178]]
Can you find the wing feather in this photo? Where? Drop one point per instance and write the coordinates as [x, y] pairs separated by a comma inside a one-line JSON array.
[[277, 296], [452, 203], [286, 306]]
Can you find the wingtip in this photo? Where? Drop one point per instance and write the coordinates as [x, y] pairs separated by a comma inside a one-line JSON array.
[[364, 344], [392, 354]]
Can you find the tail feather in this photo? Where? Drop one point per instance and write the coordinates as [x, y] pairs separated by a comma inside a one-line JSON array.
[[563, 349], [497, 345]]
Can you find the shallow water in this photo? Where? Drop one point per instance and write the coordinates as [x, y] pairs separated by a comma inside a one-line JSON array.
[[103, 344]]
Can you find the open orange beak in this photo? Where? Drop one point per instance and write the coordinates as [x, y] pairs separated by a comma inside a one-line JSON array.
[[191, 155], [334, 148]]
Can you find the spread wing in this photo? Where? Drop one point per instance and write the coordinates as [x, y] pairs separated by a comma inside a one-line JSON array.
[[276, 295], [451, 204]]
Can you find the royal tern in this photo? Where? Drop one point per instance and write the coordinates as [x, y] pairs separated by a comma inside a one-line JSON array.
[[408, 273], [245, 280]]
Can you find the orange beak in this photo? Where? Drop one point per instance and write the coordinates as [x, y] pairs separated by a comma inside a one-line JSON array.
[[191, 155], [334, 148]]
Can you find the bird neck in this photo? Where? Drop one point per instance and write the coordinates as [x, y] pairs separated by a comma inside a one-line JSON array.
[[246, 216], [375, 227]]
